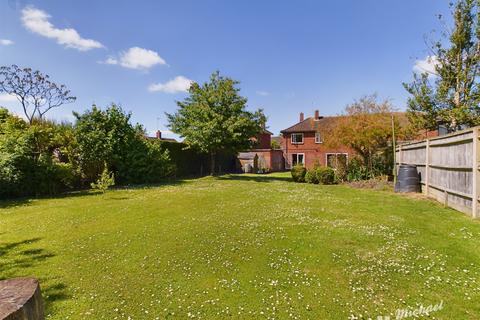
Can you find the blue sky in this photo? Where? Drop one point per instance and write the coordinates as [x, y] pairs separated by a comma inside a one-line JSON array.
[[290, 56]]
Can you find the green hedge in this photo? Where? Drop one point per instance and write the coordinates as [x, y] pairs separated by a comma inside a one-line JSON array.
[[190, 162], [320, 175]]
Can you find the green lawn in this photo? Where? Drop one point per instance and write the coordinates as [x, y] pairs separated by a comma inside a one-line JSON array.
[[242, 246]]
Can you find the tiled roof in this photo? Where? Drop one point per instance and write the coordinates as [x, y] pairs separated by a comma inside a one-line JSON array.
[[326, 123], [277, 138], [311, 125]]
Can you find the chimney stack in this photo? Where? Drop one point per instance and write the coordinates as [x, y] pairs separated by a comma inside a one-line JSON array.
[[159, 134], [317, 115], [301, 117]]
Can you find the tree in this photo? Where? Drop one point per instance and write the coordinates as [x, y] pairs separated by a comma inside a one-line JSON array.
[[105, 181], [454, 96], [365, 126], [34, 90], [214, 117], [108, 138], [274, 144]]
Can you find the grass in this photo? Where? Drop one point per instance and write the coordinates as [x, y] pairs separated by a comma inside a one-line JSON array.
[[242, 246]]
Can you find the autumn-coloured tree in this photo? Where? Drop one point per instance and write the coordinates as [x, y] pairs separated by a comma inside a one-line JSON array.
[[34, 90], [366, 127]]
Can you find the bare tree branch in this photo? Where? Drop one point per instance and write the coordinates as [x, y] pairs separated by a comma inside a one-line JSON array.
[[34, 90]]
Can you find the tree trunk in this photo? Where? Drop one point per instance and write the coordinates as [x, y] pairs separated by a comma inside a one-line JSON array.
[[212, 163], [20, 298]]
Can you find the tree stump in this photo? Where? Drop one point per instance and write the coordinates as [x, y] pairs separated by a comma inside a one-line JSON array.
[[20, 299]]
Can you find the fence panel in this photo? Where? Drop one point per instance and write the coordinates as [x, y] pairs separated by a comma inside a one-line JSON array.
[[448, 168]]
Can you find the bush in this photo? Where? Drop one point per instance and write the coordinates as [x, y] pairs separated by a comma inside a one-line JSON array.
[[325, 175], [108, 136], [320, 175], [298, 173], [30, 157], [105, 181], [311, 176]]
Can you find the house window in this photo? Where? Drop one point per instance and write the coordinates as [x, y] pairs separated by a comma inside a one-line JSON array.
[[297, 138], [318, 137], [337, 160], [298, 158]]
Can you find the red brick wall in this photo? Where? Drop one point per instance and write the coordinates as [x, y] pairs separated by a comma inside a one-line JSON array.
[[313, 152], [263, 141]]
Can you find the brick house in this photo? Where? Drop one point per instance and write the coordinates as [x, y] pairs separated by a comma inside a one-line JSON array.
[[262, 157], [303, 143]]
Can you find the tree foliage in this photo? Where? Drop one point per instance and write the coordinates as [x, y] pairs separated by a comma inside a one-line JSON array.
[[30, 157], [366, 127], [105, 181], [106, 137], [214, 117], [34, 90], [45, 158], [451, 94]]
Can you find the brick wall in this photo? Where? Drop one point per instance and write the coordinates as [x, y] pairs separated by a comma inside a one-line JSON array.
[[313, 152]]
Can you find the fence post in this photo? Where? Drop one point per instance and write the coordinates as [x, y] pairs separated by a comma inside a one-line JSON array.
[[427, 167], [475, 191], [400, 155]]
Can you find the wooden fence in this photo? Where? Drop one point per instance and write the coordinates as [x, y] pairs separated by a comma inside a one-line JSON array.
[[448, 168]]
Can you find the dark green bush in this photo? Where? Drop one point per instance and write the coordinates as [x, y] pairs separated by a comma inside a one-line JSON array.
[[30, 158], [320, 175], [298, 173], [311, 176], [325, 175]]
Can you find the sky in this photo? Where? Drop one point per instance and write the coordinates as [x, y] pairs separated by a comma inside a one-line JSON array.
[[289, 56]]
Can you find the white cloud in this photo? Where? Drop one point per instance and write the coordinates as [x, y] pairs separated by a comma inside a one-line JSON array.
[[426, 65], [178, 84], [5, 97], [110, 60], [263, 93], [137, 58], [6, 42], [36, 21]]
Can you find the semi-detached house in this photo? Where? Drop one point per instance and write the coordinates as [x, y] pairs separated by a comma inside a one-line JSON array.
[[303, 143]]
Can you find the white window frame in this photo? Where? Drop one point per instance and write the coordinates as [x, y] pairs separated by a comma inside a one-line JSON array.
[[303, 158], [334, 153], [318, 137], [291, 138]]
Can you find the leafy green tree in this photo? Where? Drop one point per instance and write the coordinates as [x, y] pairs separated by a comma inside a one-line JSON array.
[[450, 94], [214, 117], [274, 144], [108, 137]]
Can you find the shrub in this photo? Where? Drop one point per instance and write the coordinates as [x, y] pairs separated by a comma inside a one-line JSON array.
[[311, 176], [320, 175], [105, 181], [325, 175], [108, 136], [298, 173]]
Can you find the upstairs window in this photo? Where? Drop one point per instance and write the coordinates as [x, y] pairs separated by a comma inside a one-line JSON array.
[[318, 137], [297, 138]]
